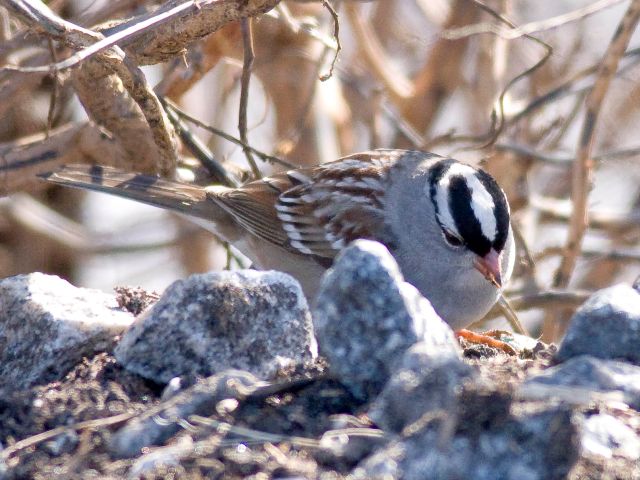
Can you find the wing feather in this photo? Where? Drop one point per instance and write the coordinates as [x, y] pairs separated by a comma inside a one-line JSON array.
[[318, 210], [155, 191]]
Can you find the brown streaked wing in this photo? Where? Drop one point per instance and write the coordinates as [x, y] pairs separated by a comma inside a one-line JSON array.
[[344, 202], [317, 210], [253, 206]]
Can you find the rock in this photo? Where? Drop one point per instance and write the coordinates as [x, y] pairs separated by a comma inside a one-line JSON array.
[[247, 320], [385, 463], [174, 386], [606, 436], [47, 325], [4, 470], [169, 456], [423, 383], [606, 326], [366, 317], [529, 445], [204, 399], [587, 374], [342, 447], [66, 442]]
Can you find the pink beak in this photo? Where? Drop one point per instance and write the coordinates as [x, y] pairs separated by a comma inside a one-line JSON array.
[[489, 267]]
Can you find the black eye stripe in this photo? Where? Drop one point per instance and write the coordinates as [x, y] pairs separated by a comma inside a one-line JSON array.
[[501, 209], [459, 197], [467, 223], [452, 238]]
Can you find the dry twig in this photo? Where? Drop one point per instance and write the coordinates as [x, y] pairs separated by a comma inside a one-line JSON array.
[[247, 65], [533, 27], [551, 299], [230, 138], [41, 437], [583, 165], [336, 36]]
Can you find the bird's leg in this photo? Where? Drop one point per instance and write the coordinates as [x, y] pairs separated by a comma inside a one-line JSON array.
[[487, 338]]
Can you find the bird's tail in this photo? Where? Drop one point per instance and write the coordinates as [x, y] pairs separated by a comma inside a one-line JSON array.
[[179, 197]]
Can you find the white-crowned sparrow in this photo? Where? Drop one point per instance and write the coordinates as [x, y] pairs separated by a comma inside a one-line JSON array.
[[446, 223]]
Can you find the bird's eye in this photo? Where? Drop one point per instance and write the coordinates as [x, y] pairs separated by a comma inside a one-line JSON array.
[[452, 239]]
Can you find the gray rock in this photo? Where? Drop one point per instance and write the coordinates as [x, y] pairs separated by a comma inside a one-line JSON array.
[[247, 320], [537, 445], [4, 469], [160, 423], [170, 455], [64, 443], [47, 325], [606, 326], [366, 317], [608, 437], [384, 464], [423, 383], [344, 445], [174, 386], [587, 374]]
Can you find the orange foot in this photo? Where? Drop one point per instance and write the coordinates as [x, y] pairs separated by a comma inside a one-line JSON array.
[[487, 338]]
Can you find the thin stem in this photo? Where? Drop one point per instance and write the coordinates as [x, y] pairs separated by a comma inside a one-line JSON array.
[[247, 65], [583, 166]]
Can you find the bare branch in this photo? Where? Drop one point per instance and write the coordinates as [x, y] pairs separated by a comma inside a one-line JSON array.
[[498, 117], [180, 25], [22, 160], [567, 86], [398, 87], [583, 166], [54, 90], [185, 71], [336, 36], [565, 162], [247, 41], [563, 210], [230, 138], [610, 254], [201, 19], [545, 300], [127, 105], [48, 434], [530, 28]]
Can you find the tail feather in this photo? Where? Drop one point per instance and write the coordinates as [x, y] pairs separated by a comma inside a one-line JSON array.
[[179, 197]]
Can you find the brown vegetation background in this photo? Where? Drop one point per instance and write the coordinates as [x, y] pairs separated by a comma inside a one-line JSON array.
[[545, 95]]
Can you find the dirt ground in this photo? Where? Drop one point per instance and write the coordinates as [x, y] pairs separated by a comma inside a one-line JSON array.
[[62, 430]]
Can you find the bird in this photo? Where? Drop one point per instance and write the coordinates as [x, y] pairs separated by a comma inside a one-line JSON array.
[[446, 223]]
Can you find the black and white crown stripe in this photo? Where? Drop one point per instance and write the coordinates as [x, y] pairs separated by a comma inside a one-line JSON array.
[[482, 203], [470, 205]]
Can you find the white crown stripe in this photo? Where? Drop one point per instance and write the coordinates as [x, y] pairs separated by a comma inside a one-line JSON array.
[[483, 207], [482, 202], [444, 213]]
